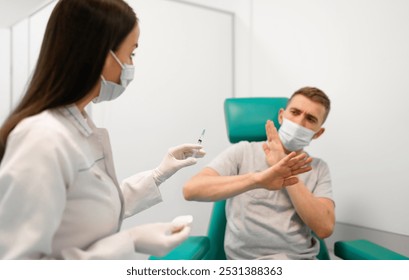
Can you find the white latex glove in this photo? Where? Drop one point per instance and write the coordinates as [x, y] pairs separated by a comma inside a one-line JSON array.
[[177, 158], [158, 239]]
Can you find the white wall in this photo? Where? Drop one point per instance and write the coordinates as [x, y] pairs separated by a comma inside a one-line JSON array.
[[242, 10], [12, 12], [38, 23], [20, 59], [4, 73], [26, 41], [357, 52]]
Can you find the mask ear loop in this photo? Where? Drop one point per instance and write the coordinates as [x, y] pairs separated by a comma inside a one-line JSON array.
[[117, 59], [103, 79]]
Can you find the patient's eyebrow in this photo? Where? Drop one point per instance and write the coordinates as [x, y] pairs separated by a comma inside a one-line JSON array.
[[310, 116]]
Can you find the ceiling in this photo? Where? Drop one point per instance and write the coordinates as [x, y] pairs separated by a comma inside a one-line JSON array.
[[14, 11]]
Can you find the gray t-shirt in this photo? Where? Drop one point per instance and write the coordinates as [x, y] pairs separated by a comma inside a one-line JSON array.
[[263, 224]]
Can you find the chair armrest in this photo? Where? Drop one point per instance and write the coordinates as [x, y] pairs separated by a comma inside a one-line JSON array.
[[364, 250], [193, 248]]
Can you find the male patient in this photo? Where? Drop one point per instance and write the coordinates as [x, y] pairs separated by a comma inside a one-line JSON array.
[[273, 219]]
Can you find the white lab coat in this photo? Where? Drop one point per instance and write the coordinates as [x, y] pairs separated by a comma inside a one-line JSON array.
[[59, 196]]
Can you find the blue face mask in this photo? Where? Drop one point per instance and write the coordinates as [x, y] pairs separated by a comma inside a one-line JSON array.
[[110, 90], [294, 136]]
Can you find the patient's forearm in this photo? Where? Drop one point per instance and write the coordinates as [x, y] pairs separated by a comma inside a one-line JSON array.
[[317, 213], [209, 186]]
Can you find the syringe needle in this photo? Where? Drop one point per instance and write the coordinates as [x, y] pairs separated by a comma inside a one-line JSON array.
[[199, 141], [201, 137]]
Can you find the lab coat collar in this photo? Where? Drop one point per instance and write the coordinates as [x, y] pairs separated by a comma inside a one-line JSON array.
[[80, 120]]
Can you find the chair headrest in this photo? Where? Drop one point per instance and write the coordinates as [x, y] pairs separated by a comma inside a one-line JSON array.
[[246, 117]]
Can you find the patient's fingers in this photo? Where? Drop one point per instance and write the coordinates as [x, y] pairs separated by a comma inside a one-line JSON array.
[[297, 159], [266, 149], [301, 170], [290, 181], [287, 160], [271, 131]]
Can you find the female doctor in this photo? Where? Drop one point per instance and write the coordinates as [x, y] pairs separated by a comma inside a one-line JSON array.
[[59, 195]]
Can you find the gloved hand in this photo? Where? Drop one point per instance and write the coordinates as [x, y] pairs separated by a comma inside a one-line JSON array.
[[177, 158], [158, 239]]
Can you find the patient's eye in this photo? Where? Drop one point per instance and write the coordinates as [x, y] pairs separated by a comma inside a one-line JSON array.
[[295, 112], [312, 119]]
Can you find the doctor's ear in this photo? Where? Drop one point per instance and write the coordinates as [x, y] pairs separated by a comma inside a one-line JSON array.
[[319, 133]]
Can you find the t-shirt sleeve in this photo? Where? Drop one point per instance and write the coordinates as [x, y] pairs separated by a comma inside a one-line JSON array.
[[228, 162], [324, 183]]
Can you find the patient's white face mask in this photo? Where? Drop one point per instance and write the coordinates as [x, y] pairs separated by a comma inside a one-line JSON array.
[[110, 90], [294, 136]]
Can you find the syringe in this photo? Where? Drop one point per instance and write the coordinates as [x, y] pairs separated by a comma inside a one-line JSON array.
[[199, 141], [201, 137]]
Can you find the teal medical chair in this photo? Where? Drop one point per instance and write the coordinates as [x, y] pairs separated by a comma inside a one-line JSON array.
[[361, 249], [245, 120]]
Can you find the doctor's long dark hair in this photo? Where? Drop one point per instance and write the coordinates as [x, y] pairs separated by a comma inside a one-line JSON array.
[[77, 40]]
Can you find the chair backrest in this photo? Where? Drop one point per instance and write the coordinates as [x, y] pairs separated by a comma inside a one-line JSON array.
[[245, 120], [246, 117]]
